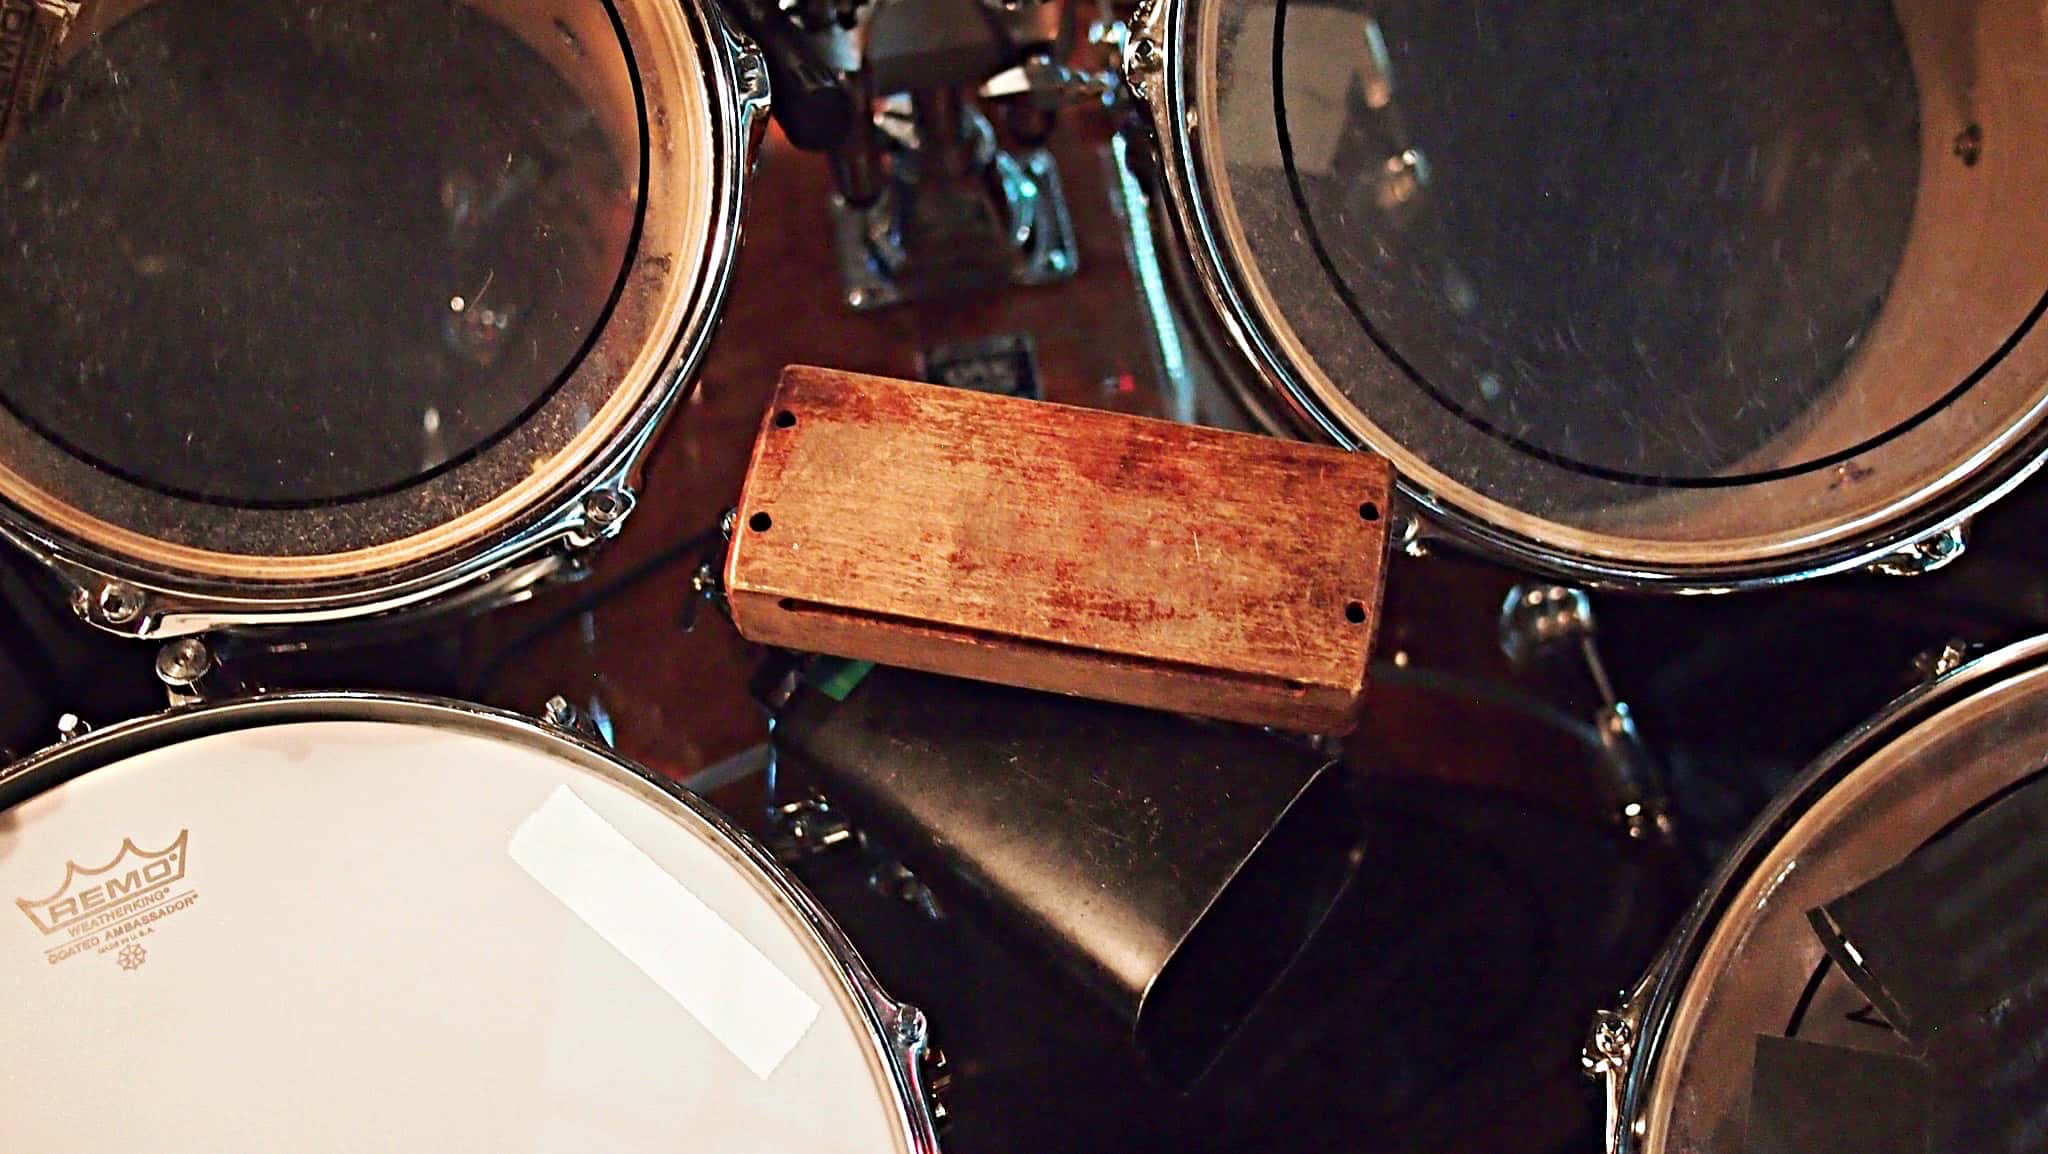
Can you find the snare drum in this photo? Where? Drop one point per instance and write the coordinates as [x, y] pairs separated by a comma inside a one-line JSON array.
[[1688, 1056], [342, 922], [1655, 294], [319, 310]]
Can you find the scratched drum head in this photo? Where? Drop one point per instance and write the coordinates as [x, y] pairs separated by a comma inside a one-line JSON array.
[[303, 303], [345, 924], [1749, 1037], [1650, 292]]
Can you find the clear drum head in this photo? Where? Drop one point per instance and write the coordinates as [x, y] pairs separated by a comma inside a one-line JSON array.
[[1656, 290], [325, 925], [303, 293], [1751, 1023]]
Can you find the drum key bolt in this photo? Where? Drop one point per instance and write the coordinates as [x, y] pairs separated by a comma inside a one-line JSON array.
[[591, 726], [120, 602], [603, 509], [71, 727], [910, 1027]]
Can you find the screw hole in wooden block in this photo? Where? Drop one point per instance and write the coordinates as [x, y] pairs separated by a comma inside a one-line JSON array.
[[1369, 511], [760, 522], [1355, 613], [785, 419]]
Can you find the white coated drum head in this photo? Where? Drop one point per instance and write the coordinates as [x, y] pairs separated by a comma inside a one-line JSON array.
[[423, 933], [1751, 968], [1652, 288], [293, 293]]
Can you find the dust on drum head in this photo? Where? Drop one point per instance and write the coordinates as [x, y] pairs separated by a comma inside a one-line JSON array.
[[1641, 294], [321, 310]]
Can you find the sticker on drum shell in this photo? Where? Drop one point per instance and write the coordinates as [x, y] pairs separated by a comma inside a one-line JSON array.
[[107, 911]]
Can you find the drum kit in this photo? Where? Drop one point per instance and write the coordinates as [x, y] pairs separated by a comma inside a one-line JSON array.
[[328, 325]]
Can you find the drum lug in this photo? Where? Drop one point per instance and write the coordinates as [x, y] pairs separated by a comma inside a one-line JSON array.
[[1143, 62], [1944, 659], [603, 513], [926, 1063], [747, 66], [1143, 58], [71, 727], [1609, 1055], [1925, 555], [592, 725], [1610, 1048], [750, 72], [750, 80], [108, 602]]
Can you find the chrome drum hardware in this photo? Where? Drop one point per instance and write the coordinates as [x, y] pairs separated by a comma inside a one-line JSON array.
[[401, 353], [498, 932], [1749, 967], [1708, 346]]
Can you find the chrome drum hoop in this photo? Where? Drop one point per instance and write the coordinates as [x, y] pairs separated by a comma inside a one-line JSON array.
[[1158, 68], [894, 1032], [1626, 1046], [151, 594]]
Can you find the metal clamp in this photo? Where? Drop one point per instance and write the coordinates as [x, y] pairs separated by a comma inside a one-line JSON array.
[[1612, 1047], [191, 672], [804, 828], [593, 724], [1945, 658], [1925, 555], [1537, 620], [707, 586], [1608, 1056], [809, 827]]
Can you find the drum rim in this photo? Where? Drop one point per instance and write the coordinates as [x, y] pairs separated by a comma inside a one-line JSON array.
[[893, 1032], [161, 599], [1158, 69], [1651, 1005]]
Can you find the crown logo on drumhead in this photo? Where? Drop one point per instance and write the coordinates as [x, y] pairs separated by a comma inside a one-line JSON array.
[[133, 873]]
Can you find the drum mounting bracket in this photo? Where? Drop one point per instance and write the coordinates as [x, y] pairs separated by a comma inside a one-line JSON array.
[[1926, 555]]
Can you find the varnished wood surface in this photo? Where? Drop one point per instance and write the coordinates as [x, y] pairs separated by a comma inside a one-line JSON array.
[[1061, 548]]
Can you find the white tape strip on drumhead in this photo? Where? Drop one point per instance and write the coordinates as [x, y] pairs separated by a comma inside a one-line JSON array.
[[731, 988]]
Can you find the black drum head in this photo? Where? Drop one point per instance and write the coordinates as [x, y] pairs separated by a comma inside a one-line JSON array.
[[264, 255]]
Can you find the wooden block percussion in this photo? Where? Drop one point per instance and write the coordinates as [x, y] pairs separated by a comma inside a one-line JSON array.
[[1061, 549]]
